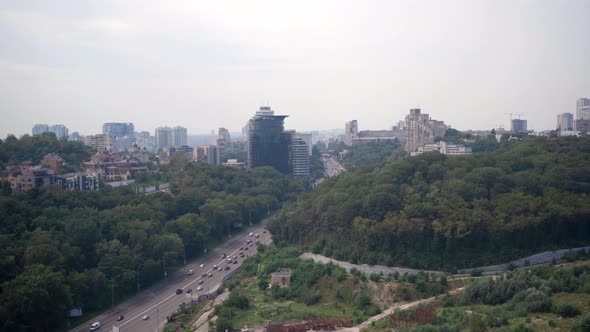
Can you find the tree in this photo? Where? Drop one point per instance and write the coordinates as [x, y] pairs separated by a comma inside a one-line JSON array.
[[36, 300]]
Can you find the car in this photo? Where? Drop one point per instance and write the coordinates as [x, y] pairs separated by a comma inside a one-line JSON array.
[[223, 256], [120, 318], [235, 262], [248, 241], [204, 274], [229, 259], [95, 326], [256, 235], [190, 272], [250, 234], [246, 248], [201, 282], [202, 265], [242, 255], [145, 317], [179, 291], [257, 242], [189, 290], [214, 267], [264, 231], [235, 257], [200, 288], [241, 248], [227, 268], [210, 275]]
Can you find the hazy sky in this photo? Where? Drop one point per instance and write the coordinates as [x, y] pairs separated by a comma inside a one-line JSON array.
[[206, 64]]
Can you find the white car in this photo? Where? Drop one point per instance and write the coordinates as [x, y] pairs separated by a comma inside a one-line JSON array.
[[202, 265], [95, 326], [190, 272], [200, 288], [251, 234], [145, 317]]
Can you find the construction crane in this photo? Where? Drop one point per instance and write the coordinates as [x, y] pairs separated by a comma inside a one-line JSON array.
[[519, 114]]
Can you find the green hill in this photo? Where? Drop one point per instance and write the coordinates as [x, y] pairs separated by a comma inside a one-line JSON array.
[[441, 212]]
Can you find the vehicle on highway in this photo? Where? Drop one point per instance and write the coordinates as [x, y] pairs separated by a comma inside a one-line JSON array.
[[202, 265], [250, 234], [246, 248], [190, 290], [242, 254], [200, 288], [201, 282], [179, 291], [210, 275], [241, 248], [235, 262], [223, 256], [256, 235], [248, 241], [204, 275], [95, 326], [120, 318], [145, 317], [229, 260], [264, 231], [190, 272], [227, 268], [214, 267]]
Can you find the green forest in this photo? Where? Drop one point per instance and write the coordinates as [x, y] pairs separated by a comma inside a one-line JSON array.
[[439, 212], [14, 151], [61, 250]]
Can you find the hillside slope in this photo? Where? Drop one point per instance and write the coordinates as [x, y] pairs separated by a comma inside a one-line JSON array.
[[439, 212]]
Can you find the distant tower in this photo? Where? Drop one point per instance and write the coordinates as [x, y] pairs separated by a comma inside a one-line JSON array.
[[268, 143], [565, 121], [163, 137], [518, 125], [583, 109], [351, 131]]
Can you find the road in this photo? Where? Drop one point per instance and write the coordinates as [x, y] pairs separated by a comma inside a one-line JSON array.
[[331, 166], [161, 300]]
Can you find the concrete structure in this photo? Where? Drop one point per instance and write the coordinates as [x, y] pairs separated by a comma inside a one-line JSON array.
[[223, 142], [39, 129], [565, 121], [351, 130], [60, 131], [76, 137], [200, 154], [518, 126], [268, 143], [164, 137], [444, 148], [281, 279], [53, 161], [179, 136], [299, 156], [233, 163], [421, 130], [582, 126], [119, 129], [143, 139], [583, 109], [212, 155], [78, 181], [100, 142], [188, 150]]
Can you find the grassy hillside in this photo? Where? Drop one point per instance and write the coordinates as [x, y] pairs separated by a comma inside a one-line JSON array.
[[439, 212]]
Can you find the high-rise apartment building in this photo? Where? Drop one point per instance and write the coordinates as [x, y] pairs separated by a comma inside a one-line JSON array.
[[163, 137], [223, 142], [421, 130], [119, 129], [100, 142], [351, 131], [518, 125], [565, 121], [308, 139], [39, 129], [583, 109], [179, 136], [268, 143], [212, 155], [299, 155]]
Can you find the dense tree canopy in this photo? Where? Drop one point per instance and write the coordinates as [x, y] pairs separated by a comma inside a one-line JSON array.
[[14, 151], [434, 211], [86, 242]]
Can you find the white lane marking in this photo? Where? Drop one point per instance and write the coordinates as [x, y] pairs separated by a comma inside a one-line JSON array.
[[169, 297]]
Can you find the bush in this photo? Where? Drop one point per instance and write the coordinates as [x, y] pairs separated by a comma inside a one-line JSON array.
[[376, 277], [312, 298], [448, 301], [565, 309], [584, 324], [476, 273], [238, 300]]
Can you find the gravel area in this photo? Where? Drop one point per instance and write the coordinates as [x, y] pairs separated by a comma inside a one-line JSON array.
[[364, 268]]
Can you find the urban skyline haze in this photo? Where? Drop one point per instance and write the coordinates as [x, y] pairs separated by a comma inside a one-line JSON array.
[[205, 65]]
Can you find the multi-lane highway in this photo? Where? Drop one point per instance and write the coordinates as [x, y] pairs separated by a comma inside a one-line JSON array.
[[161, 300]]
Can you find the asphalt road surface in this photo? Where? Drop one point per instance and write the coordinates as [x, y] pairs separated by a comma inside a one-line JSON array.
[[161, 300]]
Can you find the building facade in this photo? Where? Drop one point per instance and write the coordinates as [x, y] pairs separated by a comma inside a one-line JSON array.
[[100, 142], [39, 129], [421, 130], [299, 156], [268, 143], [583, 109], [179, 136], [351, 130], [444, 148], [565, 121], [518, 126], [163, 137]]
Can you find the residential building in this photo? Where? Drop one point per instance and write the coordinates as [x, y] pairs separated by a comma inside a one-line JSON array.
[[76, 137], [60, 131], [164, 137], [233, 163], [188, 150], [100, 142], [53, 161], [143, 139], [212, 155], [268, 143], [39, 129], [200, 154], [518, 125], [583, 126], [23, 178], [565, 121], [78, 181], [444, 148], [583, 109], [119, 129], [223, 142], [299, 156], [308, 139], [351, 131], [179, 136], [421, 130]]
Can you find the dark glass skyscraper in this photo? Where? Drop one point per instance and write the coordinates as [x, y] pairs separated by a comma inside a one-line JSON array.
[[268, 144]]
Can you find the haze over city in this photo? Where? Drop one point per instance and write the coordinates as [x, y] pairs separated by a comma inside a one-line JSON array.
[[205, 65]]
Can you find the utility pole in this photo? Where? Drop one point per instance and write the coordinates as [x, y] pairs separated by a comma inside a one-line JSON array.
[[250, 217], [157, 318], [229, 228], [204, 246], [165, 272]]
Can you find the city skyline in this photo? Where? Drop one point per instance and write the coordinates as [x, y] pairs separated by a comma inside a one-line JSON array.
[[211, 64]]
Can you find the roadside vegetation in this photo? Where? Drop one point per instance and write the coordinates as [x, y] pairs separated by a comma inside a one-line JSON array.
[[438, 212], [61, 250], [546, 298], [316, 291]]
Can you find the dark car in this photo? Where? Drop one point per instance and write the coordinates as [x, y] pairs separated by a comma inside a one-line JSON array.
[[235, 262], [120, 318], [201, 282], [227, 268], [204, 275], [179, 291], [189, 290]]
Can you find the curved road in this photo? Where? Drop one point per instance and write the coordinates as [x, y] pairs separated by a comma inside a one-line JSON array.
[[161, 300]]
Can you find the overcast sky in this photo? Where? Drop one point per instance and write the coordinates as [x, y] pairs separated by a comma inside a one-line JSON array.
[[207, 64]]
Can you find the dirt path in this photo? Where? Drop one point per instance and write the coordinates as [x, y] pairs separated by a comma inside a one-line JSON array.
[[401, 306]]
